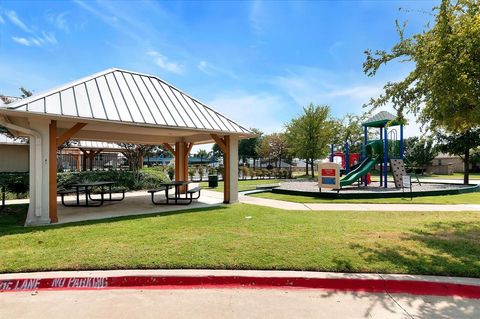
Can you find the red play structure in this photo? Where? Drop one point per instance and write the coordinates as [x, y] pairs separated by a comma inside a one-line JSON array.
[[354, 158]]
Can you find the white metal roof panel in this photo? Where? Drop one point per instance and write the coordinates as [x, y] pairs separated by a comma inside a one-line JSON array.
[[119, 95]]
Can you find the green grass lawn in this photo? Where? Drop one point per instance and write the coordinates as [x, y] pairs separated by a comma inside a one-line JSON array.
[[468, 198], [473, 176], [244, 185], [436, 243]]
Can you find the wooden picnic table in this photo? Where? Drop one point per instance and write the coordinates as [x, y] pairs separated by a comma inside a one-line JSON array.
[[87, 189]]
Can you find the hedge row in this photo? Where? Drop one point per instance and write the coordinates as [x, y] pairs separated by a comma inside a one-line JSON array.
[[18, 183]]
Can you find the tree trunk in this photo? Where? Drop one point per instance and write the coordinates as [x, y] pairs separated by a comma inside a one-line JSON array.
[[311, 166], [306, 167], [466, 166]]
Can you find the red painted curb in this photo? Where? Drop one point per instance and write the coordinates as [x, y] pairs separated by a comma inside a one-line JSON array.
[[185, 282]]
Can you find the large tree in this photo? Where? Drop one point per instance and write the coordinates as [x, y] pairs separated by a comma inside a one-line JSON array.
[[349, 130], [203, 154], [310, 134], [419, 152], [443, 88], [247, 148], [9, 99], [273, 147], [460, 144]]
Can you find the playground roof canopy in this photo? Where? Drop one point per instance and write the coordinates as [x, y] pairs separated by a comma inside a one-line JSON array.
[[381, 119]]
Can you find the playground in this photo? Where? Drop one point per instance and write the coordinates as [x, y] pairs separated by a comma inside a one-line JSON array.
[[376, 171]]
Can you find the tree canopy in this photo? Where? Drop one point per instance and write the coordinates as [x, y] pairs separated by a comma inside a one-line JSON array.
[[309, 134], [460, 144], [419, 152], [247, 148], [443, 89]]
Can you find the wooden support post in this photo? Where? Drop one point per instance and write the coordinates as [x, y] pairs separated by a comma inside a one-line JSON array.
[[78, 162], [177, 161], [52, 169], [224, 144], [226, 169]]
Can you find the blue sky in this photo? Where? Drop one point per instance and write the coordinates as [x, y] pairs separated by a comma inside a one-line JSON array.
[[257, 62]]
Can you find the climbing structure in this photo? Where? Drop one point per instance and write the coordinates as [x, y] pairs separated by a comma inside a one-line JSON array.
[[392, 147], [398, 171]]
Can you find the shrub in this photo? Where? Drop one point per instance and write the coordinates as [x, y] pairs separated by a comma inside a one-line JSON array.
[[170, 171], [191, 173], [150, 178], [16, 183], [212, 171], [245, 171], [201, 172]]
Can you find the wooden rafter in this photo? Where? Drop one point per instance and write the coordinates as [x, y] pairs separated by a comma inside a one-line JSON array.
[[69, 133], [221, 142], [170, 148], [189, 148]]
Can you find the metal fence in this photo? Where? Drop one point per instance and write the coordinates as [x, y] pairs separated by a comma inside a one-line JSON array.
[[102, 161]]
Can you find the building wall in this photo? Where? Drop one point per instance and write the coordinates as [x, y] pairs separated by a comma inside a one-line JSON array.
[[441, 165], [14, 158]]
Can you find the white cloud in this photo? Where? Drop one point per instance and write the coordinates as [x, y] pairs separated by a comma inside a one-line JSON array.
[[163, 62], [21, 41], [311, 85], [210, 69], [344, 92], [262, 110], [34, 38], [12, 15], [45, 38], [257, 16], [59, 21], [203, 66]]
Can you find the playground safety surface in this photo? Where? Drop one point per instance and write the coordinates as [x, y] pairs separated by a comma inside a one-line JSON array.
[[374, 190]]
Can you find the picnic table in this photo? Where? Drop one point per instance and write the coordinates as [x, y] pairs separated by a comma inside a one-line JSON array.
[[87, 189], [177, 199]]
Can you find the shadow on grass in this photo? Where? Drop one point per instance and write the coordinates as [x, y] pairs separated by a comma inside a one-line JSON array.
[[13, 217], [440, 248]]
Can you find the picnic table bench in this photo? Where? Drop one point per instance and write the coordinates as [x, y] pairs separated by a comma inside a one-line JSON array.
[[177, 199]]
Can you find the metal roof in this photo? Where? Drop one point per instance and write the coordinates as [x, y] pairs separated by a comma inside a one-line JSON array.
[[380, 119], [5, 139], [128, 97], [95, 145]]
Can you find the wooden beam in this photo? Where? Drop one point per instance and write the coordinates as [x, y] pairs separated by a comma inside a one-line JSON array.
[[189, 148], [226, 171], [220, 141], [170, 148], [69, 133], [52, 172]]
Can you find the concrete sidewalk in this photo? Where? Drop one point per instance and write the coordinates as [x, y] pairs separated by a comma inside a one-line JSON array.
[[356, 207], [221, 302]]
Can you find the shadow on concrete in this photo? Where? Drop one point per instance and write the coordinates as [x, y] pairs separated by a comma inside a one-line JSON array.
[[412, 306]]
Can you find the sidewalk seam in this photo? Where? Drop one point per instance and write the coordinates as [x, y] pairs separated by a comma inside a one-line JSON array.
[[391, 297]]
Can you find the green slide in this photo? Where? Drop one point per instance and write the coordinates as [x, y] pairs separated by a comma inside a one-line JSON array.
[[374, 156]]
